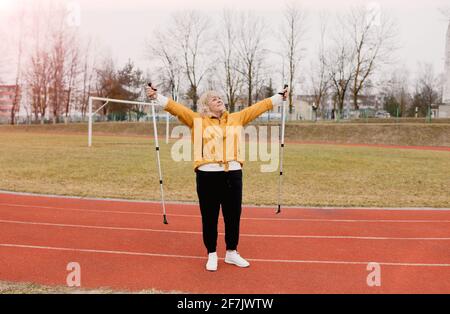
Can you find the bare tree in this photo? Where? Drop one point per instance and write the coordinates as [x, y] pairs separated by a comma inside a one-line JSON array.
[[320, 80], [38, 73], [339, 62], [106, 78], [250, 47], [229, 59], [39, 81], [372, 35], [27, 107], [88, 76], [396, 87], [171, 62], [48, 61], [17, 91], [427, 89], [63, 40], [53, 65], [190, 33], [261, 80], [401, 93], [72, 76], [292, 32]]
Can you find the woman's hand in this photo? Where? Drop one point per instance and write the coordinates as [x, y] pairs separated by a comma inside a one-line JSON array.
[[285, 93], [151, 92]]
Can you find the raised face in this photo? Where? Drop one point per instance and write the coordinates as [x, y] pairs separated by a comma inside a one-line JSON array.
[[216, 105]]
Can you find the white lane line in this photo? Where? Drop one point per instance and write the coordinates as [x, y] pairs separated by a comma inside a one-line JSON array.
[[243, 218], [199, 233], [117, 200], [97, 251], [23, 246]]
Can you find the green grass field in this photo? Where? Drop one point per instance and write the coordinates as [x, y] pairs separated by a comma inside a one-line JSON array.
[[414, 133], [315, 175]]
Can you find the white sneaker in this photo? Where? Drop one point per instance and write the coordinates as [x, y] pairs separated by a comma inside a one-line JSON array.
[[211, 265], [233, 257]]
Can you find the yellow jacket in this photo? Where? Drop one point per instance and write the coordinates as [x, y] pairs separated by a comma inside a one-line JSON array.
[[217, 140]]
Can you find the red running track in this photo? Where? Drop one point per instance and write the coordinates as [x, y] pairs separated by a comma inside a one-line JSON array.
[[124, 245]]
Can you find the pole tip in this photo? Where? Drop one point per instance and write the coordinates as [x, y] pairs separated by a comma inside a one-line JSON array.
[[278, 210]]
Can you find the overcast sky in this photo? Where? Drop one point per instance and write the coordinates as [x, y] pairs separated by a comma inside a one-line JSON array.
[[122, 26]]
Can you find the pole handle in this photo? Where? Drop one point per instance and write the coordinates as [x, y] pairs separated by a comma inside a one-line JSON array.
[[151, 86], [285, 86]]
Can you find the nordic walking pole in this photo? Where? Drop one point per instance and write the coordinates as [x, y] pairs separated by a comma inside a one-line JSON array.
[[283, 124], [155, 132]]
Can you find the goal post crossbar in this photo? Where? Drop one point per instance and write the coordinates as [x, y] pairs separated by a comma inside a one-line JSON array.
[[128, 102]]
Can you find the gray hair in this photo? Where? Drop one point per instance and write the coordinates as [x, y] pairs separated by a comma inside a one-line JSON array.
[[205, 98]]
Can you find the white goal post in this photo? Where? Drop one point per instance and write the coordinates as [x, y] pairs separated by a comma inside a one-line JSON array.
[[91, 115]]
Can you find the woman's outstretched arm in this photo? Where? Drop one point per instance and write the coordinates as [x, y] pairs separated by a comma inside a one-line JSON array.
[[254, 111], [184, 114]]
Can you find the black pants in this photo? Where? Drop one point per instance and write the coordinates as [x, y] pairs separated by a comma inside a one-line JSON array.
[[215, 189]]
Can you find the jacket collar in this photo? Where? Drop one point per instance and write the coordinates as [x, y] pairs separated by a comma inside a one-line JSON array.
[[223, 117]]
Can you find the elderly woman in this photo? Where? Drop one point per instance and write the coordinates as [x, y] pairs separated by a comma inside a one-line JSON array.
[[218, 176]]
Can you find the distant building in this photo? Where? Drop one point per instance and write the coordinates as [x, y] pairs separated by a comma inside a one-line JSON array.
[[444, 111], [7, 93], [303, 107], [366, 103], [301, 110]]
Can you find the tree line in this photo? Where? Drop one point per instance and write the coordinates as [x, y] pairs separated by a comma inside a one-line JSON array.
[[233, 53]]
